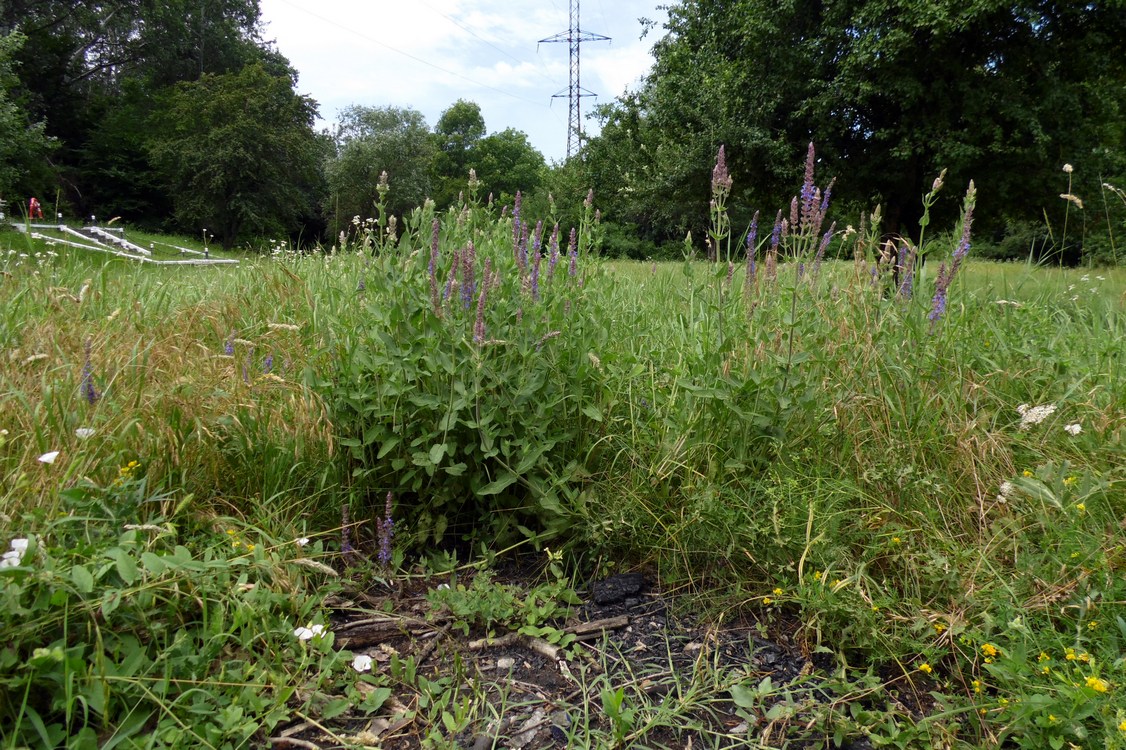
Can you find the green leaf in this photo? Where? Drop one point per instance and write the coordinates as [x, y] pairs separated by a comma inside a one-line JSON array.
[[593, 412], [153, 564], [126, 565], [436, 453], [335, 708], [499, 485], [387, 446], [82, 578], [744, 696]]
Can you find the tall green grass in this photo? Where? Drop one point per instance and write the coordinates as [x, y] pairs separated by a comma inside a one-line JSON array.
[[810, 445]]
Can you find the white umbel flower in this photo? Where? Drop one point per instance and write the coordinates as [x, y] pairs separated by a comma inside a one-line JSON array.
[[1074, 429]]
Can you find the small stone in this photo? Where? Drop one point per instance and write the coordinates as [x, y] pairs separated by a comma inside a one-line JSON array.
[[505, 662], [616, 588]]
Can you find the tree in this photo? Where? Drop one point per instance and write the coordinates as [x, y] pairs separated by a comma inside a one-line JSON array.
[[370, 141], [459, 130], [507, 162], [21, 141], [238, 153], [891, 91]]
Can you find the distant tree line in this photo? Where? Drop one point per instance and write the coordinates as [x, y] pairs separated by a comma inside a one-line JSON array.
[[178, 115]]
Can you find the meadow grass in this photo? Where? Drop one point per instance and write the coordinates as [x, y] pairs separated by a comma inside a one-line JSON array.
[[811, 448]]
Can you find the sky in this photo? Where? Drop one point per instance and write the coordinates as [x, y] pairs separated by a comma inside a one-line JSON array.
[[427, 54]]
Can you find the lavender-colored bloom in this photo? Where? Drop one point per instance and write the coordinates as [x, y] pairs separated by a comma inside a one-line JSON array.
[[268, 365], [800, 270], [807, 187], [907, 282], [361, 286], [752, 240], [573, 251], [825, 239], [229, 345], [721, 180], [468, 275], [433, 269], [945, 274], [589, 198], [517, 229], [479, 323], [88, 391], [536, 276], [452, 276], [346, 547], [794, 212], [386, 533], [553, 257]]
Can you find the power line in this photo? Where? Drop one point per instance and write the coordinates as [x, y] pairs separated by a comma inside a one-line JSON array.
[[574, 36]]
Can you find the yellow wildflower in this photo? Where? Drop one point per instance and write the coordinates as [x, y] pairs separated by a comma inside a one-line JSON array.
[[767, 601], [1045, 669], [924, 667], [1043, 657], [1122, 727], [777, 591], [939, 628], [1099, 686], [1081, 507], [1026, 473], [1069, 481], [896, 540], [1093, 625], [817, 576], [1084, 657], [1069, 654], [988, 649], [1052, 718], [976, 686]]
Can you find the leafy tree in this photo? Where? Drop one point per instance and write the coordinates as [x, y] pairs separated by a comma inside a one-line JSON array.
[[459, 130], [891, 91], [370, 141], [21, 141], [238, 153], [507, 162]]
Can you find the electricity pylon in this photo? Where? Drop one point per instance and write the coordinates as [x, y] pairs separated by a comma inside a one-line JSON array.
[[574, 36]]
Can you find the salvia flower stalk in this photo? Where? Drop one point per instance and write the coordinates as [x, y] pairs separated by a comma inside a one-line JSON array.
[[387, 526], [88, 391]]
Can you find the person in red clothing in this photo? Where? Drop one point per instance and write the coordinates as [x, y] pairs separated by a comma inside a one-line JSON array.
[[34, 210]]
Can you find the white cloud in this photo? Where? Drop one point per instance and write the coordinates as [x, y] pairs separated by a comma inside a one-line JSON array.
[[427, 54]]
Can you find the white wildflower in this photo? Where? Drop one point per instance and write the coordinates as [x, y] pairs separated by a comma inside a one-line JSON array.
[[362, 663], [1068, 168], [14, 556], [49, 458], [302, 541], [82, 433], [1074, 429], [1004, 491], [1031, 415], [308, 633]]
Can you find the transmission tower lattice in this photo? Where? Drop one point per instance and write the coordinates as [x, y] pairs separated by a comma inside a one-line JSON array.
[[574, 36]]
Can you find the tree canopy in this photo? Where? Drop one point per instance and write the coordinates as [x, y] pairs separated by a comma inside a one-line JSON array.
[[891, 91]]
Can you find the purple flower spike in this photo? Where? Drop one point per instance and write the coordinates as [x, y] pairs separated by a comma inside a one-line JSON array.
[[553, 258], [574, 253], [268, 365], [482, 297], [807, 187], [468, 278], [517, 229], [229, 345], [346, 547], [721, 180], [752, 240], [88, 391], [433, 269], [386, 533]]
